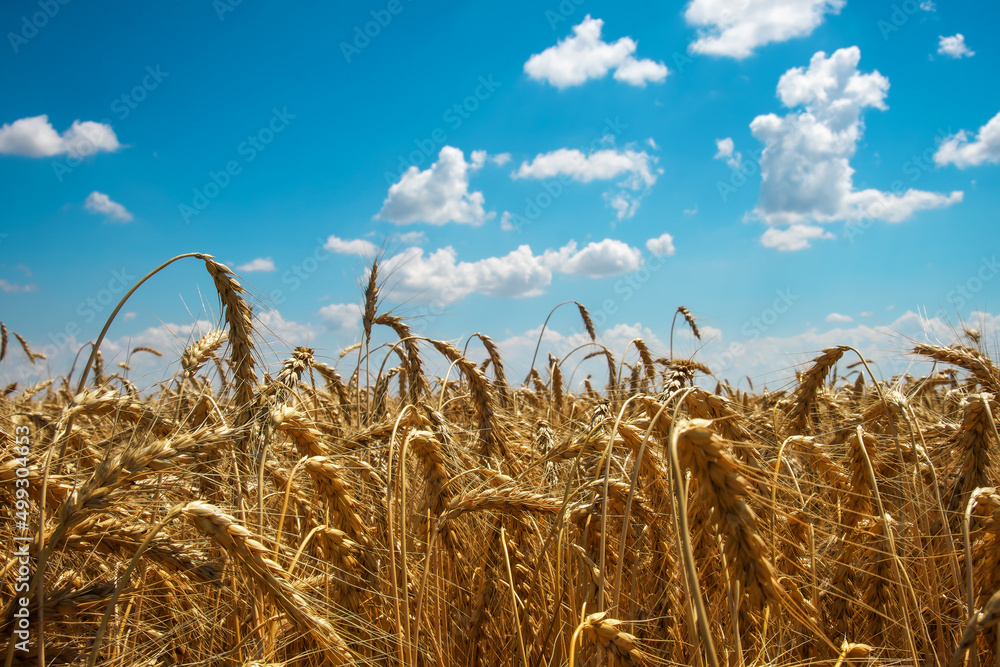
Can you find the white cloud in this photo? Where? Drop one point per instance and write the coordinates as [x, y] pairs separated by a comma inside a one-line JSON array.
[[175, 337], [599, 165], [954, 46], [98, 202], [624, 203], [440, 277], [735, 28], [35, 137], [350, 247], [661, 245], [638, 72], [774, 359], [726, 152], [838, 318], [438, 195], [9, 287], [342, 318], [258, 264], [928, 6], [959, 151], [796, 237], [505, 223], [585, 56], [413, 238], [479, 158], [603, 258], [636, 168], [288, 333], [806, 176]]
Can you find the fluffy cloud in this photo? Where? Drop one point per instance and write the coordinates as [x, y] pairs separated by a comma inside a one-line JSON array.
[[805, 165], [437, 195], [838, 318], [258, 264], [796, 237], [726, 151], [604, 258], [599, 165], [439, 276], [662, 245], [350, 247], [635, 167], [344, 318], [959, 151], [735, 28], [585, 56], [98, 202], [954, 46], [35, 137]]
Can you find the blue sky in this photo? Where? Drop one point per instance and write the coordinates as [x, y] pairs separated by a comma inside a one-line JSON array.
[[798, 173]]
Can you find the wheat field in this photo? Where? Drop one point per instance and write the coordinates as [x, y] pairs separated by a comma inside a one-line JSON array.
[[375, 511]]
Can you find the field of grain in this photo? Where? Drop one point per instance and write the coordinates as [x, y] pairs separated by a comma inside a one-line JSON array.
[[377, 512]]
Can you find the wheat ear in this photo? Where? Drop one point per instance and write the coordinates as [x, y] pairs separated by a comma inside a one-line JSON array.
[[238, 542]]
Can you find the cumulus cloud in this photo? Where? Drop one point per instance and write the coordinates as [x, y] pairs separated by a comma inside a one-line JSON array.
[[954, 46], [585, 56], [603, 258], [961, 152], [98, 202], [258, 264], [662, 245], [599, 165], [439, 194], [838, 318], [350, 247], [440, 276], [344, 318], [636, 169], [36, 137], [806, 176], [796, 237], [726, 151], [734, 28]]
